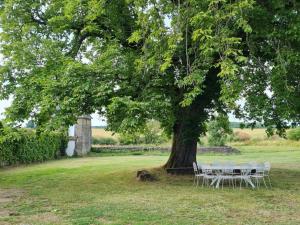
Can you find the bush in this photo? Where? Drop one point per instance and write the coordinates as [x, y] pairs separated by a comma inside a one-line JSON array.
[[25, 146], [104, 141], [129, 139], [151, 134], [241, 136], [218, 130], [294, 134]]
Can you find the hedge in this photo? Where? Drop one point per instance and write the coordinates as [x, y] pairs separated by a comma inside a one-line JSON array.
[[23, 146], [294, 134], [104, 141]]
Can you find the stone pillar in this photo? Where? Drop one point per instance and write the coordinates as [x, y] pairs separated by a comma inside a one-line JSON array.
[[83, 134]]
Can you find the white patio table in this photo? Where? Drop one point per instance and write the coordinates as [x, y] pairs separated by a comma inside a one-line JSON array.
[[246, 177]]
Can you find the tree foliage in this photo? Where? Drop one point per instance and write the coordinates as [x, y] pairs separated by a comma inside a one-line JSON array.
[[175, 61], [294, 134]]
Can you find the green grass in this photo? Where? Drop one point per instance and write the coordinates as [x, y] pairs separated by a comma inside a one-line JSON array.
[[103, 190]]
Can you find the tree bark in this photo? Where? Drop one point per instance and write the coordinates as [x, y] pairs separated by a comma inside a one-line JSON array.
[[190, 123], [186, 132], [183, 152]]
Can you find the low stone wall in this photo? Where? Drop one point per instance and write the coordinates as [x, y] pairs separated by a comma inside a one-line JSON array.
[[121, 148], [221, 149]]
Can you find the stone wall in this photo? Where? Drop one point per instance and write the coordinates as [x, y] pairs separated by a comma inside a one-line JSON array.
[[120, 148]]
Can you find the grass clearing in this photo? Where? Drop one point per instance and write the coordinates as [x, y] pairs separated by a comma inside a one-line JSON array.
[[103, 190]]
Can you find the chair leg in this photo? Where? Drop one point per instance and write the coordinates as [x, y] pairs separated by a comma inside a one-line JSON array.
[[264, 182], [269, 181]]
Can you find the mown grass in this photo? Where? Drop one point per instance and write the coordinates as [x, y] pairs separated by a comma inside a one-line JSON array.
[[103, 190]]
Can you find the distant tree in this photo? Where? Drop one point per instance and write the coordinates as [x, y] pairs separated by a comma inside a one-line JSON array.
[[218, 130], [175, 61], [294, 134]]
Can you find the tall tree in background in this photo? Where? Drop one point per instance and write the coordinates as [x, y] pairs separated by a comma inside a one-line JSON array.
[[176, 61]]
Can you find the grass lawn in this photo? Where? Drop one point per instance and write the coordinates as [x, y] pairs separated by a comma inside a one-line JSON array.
[[103, 190]]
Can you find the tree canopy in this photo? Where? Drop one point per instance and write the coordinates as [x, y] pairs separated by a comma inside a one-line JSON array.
[[176, 61]]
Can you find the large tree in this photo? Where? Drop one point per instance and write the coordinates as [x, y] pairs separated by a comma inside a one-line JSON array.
[[176, 61]]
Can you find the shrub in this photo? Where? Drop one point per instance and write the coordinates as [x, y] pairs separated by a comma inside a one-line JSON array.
[[294, 134], [241, 136], [104, 141], [218, 130], [151, 134], [129, 139], [25, 146]]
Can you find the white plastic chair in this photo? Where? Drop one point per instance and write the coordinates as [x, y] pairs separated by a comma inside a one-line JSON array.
[[267, 168], [197, 173], [245, 174], [207, 174], [259, 174], [228, 173]]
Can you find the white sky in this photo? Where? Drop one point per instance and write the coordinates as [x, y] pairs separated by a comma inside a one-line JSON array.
[[3, 105]]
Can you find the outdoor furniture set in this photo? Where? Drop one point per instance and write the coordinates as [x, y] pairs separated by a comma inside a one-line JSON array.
[[217, 173]]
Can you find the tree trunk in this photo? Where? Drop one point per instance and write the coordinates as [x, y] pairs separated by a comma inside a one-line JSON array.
[[184, 147], [190, 123], [186, 132]]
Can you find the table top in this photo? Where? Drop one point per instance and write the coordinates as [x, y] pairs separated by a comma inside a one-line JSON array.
[[236, 167]]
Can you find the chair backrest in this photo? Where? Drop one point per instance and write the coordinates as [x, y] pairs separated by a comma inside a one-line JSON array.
[[267, 166], [195, 167], [206, 169], [260, 168], [245, 169], [228, 169]]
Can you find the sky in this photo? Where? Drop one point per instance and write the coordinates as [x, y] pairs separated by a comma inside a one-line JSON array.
[[3, 105]]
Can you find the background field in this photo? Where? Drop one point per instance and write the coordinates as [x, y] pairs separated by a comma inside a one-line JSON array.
[[101, 132], [258, 137]]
